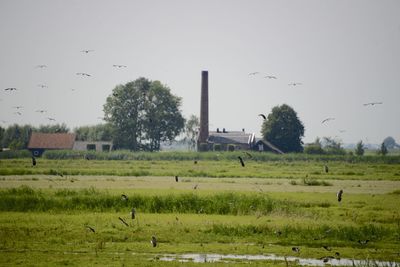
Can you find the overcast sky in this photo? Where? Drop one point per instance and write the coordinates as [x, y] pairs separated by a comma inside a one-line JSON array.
[[345, 54]]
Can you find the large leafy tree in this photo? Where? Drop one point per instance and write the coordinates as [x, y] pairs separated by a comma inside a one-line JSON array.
[[143, 114], [99, 132], [284, 129]]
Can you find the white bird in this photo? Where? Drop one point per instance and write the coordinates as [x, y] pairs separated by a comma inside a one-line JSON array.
[[254, 73], [327, 119], [120, 66], [153, 241], [51, 119], [83, 74], [41, 66], [42, 85], [18, 107], [41, 110], [372, 103], [87, 51], [294, 84], [17, 113], [270, 77]]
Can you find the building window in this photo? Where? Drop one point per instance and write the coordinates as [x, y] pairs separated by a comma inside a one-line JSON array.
[[91, 147], [105, 148]]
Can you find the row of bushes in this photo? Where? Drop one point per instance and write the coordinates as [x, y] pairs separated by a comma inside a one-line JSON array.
[[214, 156]]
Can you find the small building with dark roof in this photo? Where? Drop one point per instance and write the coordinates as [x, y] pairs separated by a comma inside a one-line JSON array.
[[239, 139], [39, 142]]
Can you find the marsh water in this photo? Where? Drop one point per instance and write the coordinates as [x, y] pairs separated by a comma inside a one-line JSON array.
[[201, 258]]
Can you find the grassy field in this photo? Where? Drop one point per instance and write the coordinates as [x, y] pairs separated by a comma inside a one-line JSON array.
[[267, 207]]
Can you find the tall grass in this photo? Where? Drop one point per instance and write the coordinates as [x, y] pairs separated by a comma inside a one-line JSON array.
[[27, 199]]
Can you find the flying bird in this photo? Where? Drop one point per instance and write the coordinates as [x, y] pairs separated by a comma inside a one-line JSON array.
[[153, 241], [120, 66], [42, 86], [270, 77], [295, 84], [10, 89], [254, 73], [372, 103], [33, 161], [176, 178], [51, 119], [41, 111], [327, 119], [18, 107], [124, 197], [83, 74], [17, 113], [339, 195], [41, 66], [263, 116], [87, 51], [241, 161], [123, 221]]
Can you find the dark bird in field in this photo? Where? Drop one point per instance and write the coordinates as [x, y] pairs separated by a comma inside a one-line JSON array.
[[90, 228], [241, 161], [133, 213], [123, 221], [42, 86], [51, 119], [195, 162], [270, 77], [249, 155], [363, 242], [176, 178], [124, 197], [195, 187], [120, 66], [263, 116], [87, 157], [83, 74], [373, 103], [327, 119], [33, 161], [326, 258], [87, 51], [153, 241], [339, 195], [337, 254], [41, 111], [10, 89], [41, 66], [254, 73], [295, 84], [296, 249], [59, 174], [326, 169], [327, 248]]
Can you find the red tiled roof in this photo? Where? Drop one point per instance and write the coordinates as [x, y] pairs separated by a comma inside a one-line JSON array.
[[52, 140]]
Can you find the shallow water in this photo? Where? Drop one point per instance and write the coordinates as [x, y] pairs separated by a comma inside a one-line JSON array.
[[195, 257]]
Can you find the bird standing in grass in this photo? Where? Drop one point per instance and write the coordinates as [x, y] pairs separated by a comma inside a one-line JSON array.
[[124, 197], [326, 169], [33, 161], [339, 195], [153, 241], [176, 178], [133, 213], [296, 249]]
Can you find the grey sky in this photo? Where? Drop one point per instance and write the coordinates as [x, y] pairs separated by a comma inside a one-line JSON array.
[[345, 53]]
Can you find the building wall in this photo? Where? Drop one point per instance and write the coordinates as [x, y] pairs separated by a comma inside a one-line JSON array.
[[83, 145]]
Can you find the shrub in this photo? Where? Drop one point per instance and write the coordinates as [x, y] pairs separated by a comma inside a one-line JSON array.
[[203, 147], [313, 149]]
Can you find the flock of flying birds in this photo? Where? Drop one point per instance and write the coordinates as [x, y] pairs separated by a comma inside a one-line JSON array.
[[269, 76], [43, 66]]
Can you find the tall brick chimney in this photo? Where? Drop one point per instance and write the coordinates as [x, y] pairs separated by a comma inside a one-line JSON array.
[[203, 135]]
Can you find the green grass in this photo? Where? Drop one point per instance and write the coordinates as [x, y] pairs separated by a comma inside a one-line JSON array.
[[205, 168]]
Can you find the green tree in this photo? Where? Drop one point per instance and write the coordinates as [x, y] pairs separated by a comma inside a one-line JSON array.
[[16, 136], [383, 150], [333, 147], [143, 114], [359, 149], [2, 130], [284, 129], [99, 132], [56, 128], [389, 142], [192, 130], [314, 148]]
